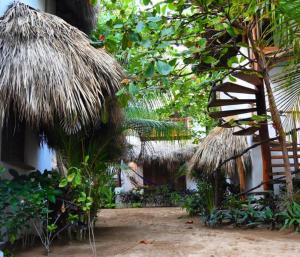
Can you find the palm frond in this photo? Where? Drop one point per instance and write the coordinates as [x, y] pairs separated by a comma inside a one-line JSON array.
[[147, 125]]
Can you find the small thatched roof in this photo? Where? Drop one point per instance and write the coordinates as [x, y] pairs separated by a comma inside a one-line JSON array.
[[49, 72], [219, 145], [167, 153]]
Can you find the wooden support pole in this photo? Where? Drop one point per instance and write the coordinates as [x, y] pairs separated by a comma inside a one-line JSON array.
[[264, 135], [242, 175]]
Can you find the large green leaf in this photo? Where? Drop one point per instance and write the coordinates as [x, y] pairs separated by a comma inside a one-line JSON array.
[[163, 68]]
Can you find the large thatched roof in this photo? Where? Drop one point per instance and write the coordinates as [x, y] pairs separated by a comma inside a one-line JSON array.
[[167, 153], [219, 145], [49, 73]]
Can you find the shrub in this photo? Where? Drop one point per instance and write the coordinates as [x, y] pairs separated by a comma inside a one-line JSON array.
[[200, 202], [243, 213], [291, 216]]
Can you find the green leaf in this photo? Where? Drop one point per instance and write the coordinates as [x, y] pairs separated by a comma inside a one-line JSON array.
[[167, 32], [133, 89], [133, 36], [202, 43], [77, 180], [70, 177], [52, 198], [146, 43], [210, 60], [146, 2], [150, 70], [163, 68], [232, 61], [140, 26], [118, 26], [63, 182]]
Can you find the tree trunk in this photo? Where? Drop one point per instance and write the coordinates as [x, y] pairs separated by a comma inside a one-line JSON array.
[[263, 67], [282, 136]]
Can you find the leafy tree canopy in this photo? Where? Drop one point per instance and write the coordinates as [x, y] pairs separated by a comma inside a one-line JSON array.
[[174, 50], [157, 47]]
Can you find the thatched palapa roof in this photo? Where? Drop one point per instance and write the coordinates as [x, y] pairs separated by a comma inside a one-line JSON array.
[[167, 153], [219, 145], [49, 72]]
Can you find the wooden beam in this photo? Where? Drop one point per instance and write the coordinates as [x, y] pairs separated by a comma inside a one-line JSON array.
[[264, 135], [221, 114], [234, 88], [242, 176]]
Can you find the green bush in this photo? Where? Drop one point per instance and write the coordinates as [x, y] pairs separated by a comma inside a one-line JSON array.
[[200, 202], [291, 216], [23, 198], [242, 213]]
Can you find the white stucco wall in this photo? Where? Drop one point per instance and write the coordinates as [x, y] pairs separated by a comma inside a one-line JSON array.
[[37, 155], [43, 5], [191, 183]]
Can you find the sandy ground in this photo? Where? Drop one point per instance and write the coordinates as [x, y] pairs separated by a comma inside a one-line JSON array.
[[168, 232]]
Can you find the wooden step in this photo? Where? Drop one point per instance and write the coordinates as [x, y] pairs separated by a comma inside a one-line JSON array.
[[250, 77], [234, 123], [277, 144], [279, 149], [234, 88], [221, 114], [282, 181], [225, 102], [281, 156], [279, 173], [246, 132], [278, 165]]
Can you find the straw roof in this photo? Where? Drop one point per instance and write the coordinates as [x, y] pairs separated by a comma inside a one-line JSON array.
[[49, 72], [219, 145], [163, 152]]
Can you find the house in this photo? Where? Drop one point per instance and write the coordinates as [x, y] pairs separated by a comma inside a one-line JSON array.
[[41, 88], [155, 160]]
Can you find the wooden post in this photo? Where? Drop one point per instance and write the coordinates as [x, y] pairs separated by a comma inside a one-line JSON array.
[[263, 129], [295, 146], [264, 135], [242, 175]]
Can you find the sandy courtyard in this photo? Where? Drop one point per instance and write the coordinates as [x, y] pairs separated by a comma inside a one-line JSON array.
[[168, 232]]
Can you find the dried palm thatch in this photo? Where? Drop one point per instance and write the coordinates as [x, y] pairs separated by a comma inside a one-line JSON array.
[[219, 145], [79, 13], [49, 73], [165, 153]]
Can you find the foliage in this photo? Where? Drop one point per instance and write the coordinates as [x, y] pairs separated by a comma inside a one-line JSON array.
[[291, 216], [246, 213], [52, 205], [156, 45], [158, 196], [23, 198], [201, 202]]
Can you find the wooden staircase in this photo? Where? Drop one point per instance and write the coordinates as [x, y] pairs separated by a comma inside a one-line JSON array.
[[228, 95], [277, 157], [235, 103]]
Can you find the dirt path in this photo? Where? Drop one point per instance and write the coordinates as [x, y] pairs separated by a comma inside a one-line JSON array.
[[165, 232]]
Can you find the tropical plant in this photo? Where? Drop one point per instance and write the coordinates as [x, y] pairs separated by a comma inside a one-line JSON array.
[[291, 216], [242, 213], [23, 198], [200, 202]]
